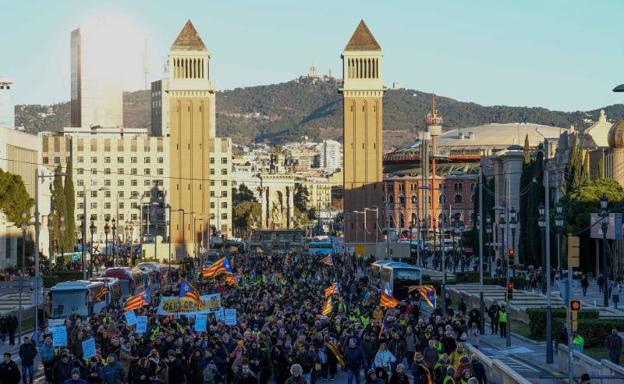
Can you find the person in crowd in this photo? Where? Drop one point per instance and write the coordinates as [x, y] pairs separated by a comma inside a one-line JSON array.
[[75, 378], [614, 346], [27, 354], [9, 372], [502, 321], [296, 375]]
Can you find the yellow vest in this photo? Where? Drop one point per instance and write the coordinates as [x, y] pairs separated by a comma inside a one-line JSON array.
[[502, 317]]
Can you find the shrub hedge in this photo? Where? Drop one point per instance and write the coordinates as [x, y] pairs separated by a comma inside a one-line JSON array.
[[594, 331], [537, 320]]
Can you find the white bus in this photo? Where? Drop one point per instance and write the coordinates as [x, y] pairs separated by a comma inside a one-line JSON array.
[[78, 297]]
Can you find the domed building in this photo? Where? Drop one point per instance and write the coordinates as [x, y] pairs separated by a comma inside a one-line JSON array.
[[615, 167]]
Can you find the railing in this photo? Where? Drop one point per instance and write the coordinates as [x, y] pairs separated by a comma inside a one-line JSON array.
[[497, 371], [601, 371]]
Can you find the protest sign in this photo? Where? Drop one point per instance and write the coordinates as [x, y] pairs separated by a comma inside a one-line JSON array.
[[59, 336], [220, 315], [230, 316], [201, 321], [174, 305], [141, 324], [131, 318], [88, 348]]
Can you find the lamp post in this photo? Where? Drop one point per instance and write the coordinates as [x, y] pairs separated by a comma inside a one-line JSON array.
[[21, 280], [92, 229], [506, 261], [106, 230], [488, 230], [114, 238], [604, 217], [559, 225], [546, 284], [503, 226], [513, 224]]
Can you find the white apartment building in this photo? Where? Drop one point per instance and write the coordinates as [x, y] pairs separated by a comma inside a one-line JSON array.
[[19, 155], [120, 174], [330, 155], [221, 186]]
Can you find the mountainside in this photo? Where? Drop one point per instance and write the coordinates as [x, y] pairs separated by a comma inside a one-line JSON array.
[[312, 107]]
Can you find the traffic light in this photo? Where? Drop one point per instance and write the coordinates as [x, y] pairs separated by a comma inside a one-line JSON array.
[[509, 295], [511, 253], [575, 306]]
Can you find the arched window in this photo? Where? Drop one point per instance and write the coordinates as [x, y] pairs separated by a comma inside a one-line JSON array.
[[458, 199], [390, 199], [401, 221], [414, 199], [414, 219]]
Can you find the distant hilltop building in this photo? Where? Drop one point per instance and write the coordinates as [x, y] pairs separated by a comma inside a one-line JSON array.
[[7, 108], [397, 85], [314, 74]]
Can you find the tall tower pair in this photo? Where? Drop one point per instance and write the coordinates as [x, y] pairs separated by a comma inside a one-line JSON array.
[[362, 65]]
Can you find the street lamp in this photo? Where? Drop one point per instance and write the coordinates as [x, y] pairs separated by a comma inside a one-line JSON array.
[[21, 280], [488, 230], [546, 283], [513, 224], [503, 226], [106, 230], [92, 229], [114, 228], [559, 226], [604, 217]]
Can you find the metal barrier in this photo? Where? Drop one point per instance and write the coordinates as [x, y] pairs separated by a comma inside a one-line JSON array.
[[497, 371], [605, 370]]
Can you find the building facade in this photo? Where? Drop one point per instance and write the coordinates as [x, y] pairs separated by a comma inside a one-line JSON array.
[[330, 155], [96, 79], [119, 174], [7, 108], [277, 193], [362, 93], [221, 187], [190, 102], [19, 155]]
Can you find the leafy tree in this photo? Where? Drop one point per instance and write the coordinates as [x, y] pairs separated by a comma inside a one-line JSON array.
[[242, 194], [58, 211], [14, 198], [302, 220], [245, 217], [70, 222], [301, 197]]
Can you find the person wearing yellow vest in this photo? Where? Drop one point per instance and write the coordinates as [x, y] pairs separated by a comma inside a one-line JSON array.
[[578, 342], [502, 321], [450, 376]]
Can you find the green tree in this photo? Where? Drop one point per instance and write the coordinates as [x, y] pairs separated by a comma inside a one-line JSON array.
[[526, 150], [70, 221], [57, 212], [302, 220], [242, 194], [301, 197], [14, 198], [245, 217]]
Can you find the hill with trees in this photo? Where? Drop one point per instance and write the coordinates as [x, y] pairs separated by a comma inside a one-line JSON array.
[[312, 107]]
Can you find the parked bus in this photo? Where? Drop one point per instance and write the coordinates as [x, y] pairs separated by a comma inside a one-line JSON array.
[[77, 297], [398, 277], [375, 268], [114, 289], [131, 281], [322, 248]]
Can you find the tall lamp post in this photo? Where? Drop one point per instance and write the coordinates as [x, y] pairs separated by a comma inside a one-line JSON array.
[[21, 281], [488, 230], [503, 226], [114, 238], [559, 225], [92, 229], [546, 267], [604, 217], [106, 230], [513, 224]]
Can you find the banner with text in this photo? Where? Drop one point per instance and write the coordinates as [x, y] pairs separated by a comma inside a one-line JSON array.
[[174, 305]]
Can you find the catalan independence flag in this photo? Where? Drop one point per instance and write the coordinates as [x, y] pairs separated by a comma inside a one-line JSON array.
[[101, 293], [328, 307], [328, 260], [218, 267], [427, 292], [232, 280], [332, 289], [187, 290], [137, 301], [334, 349], [388, 301]]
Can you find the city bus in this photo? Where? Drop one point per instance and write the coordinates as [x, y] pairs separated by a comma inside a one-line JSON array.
[[397, 277], [321, 248], [131, 281], [77, 297], [375, 268]]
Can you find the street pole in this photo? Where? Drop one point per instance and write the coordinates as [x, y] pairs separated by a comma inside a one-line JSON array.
[[387, 228], [480, 218], [549, 346], [168, 206], [84, 231], [36, 249], [21, 280], [441, 226], [604, 214]]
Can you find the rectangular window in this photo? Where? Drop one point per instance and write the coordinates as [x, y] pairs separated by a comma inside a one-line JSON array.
[[80, 171], [212, 172], [120, 182], [160, 171], [80, 206], [45, 160], [224, 171], [107, 205], [224, 204], [146, 160], [121, 205], [94, 160], [224, 160], [107, 183], [107, 194], [161, 160], [93, 171], [93, 193], [120, 159], [212, 205], [224, 216], [212, 160], [107, 160], [223, 193], [212, 193], [134, 171], [134, 217], [80, 159], [107, 171], [80, 194], [133, 160], [224, 183], [147, 182], [212, 183], [93, 205], [146, 171], [57, 160], [134, 182], [121, 216]]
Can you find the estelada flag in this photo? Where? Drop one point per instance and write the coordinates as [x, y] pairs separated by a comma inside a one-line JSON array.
[[388, 301], [137, 301], [218, 267], [328, 307], [427, 292], [334, 349], [101, 293], [332, 289], [328, 260], [188, 290]]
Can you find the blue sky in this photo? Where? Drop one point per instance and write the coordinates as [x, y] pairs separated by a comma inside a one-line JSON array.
[[559, 54]]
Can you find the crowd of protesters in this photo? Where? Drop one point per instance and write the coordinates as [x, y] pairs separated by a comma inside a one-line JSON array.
[[280, 336]]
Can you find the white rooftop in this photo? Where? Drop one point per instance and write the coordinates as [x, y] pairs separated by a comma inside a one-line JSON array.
[[498, 135]]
